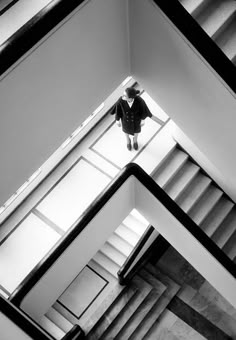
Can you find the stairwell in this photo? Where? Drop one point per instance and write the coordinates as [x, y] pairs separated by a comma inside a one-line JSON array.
[[136, 311], [148, 293], [218, 19]]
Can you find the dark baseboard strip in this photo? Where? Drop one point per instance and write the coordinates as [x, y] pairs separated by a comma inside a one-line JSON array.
[[195, 320]]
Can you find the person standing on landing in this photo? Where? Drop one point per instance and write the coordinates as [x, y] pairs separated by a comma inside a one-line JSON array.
[[130, 112]]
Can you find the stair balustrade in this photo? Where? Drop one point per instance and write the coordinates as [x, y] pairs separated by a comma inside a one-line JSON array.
[[150, 244], [76, 333], [139, 254], [132, 188]]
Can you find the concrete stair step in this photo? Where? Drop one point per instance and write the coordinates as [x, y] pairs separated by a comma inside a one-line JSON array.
[[120, 244], [51, 328], [105, 299], [162, 329], [194, 7], [180, 181], [205, 300], [127, 234], [144, 308], [227, 40], [217, 215], [230, 247], [204, 206], [143, 290], [151, 278], [120, 310], [226, 229], [170, 167], [135, 224], [111, 313], [106, 263], [191, 5], [128, 314], [59, 320], [172, 286], [159, 306], [114, 254], [105, 304], [198, 294], [216, 16], [193, 192]]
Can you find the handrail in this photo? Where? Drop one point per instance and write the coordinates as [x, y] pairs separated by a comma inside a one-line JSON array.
[[133, 255], [34, 30], [8, 6], [57, 10], [22, 321], [76, 333], [130, 169], [158, 247], [200, 40]]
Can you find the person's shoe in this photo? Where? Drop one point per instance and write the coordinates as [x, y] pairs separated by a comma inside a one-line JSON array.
[[136, 146], [129, 147]]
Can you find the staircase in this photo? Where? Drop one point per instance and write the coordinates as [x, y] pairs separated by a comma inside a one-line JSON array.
[[135, 311], [107, 262], [200, 198], [150, 290], [218, 19], [153, 304]]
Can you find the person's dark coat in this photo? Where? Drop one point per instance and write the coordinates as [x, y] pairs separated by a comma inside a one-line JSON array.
[[131, 116]]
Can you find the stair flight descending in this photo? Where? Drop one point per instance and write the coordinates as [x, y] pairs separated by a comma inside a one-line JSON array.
[[137, 308], [200, 198], [107, 261]]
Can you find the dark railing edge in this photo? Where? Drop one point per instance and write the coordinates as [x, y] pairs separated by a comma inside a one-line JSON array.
[[134, 253], [130, 169], [22, 321], [200, 40], [24, 39], [76, 333], [152, 254], [147, 256], [7, 7]]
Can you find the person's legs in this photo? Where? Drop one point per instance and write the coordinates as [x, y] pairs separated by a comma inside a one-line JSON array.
[[135, 141], [128, 141]]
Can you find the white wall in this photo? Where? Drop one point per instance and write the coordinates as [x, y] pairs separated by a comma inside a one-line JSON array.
[[185, 87], [49, 93], [79, 252]]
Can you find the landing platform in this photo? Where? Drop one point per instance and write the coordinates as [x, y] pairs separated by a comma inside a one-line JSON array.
[[61, 199]]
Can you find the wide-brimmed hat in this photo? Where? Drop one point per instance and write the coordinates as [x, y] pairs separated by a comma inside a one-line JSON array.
[[131, 92]]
